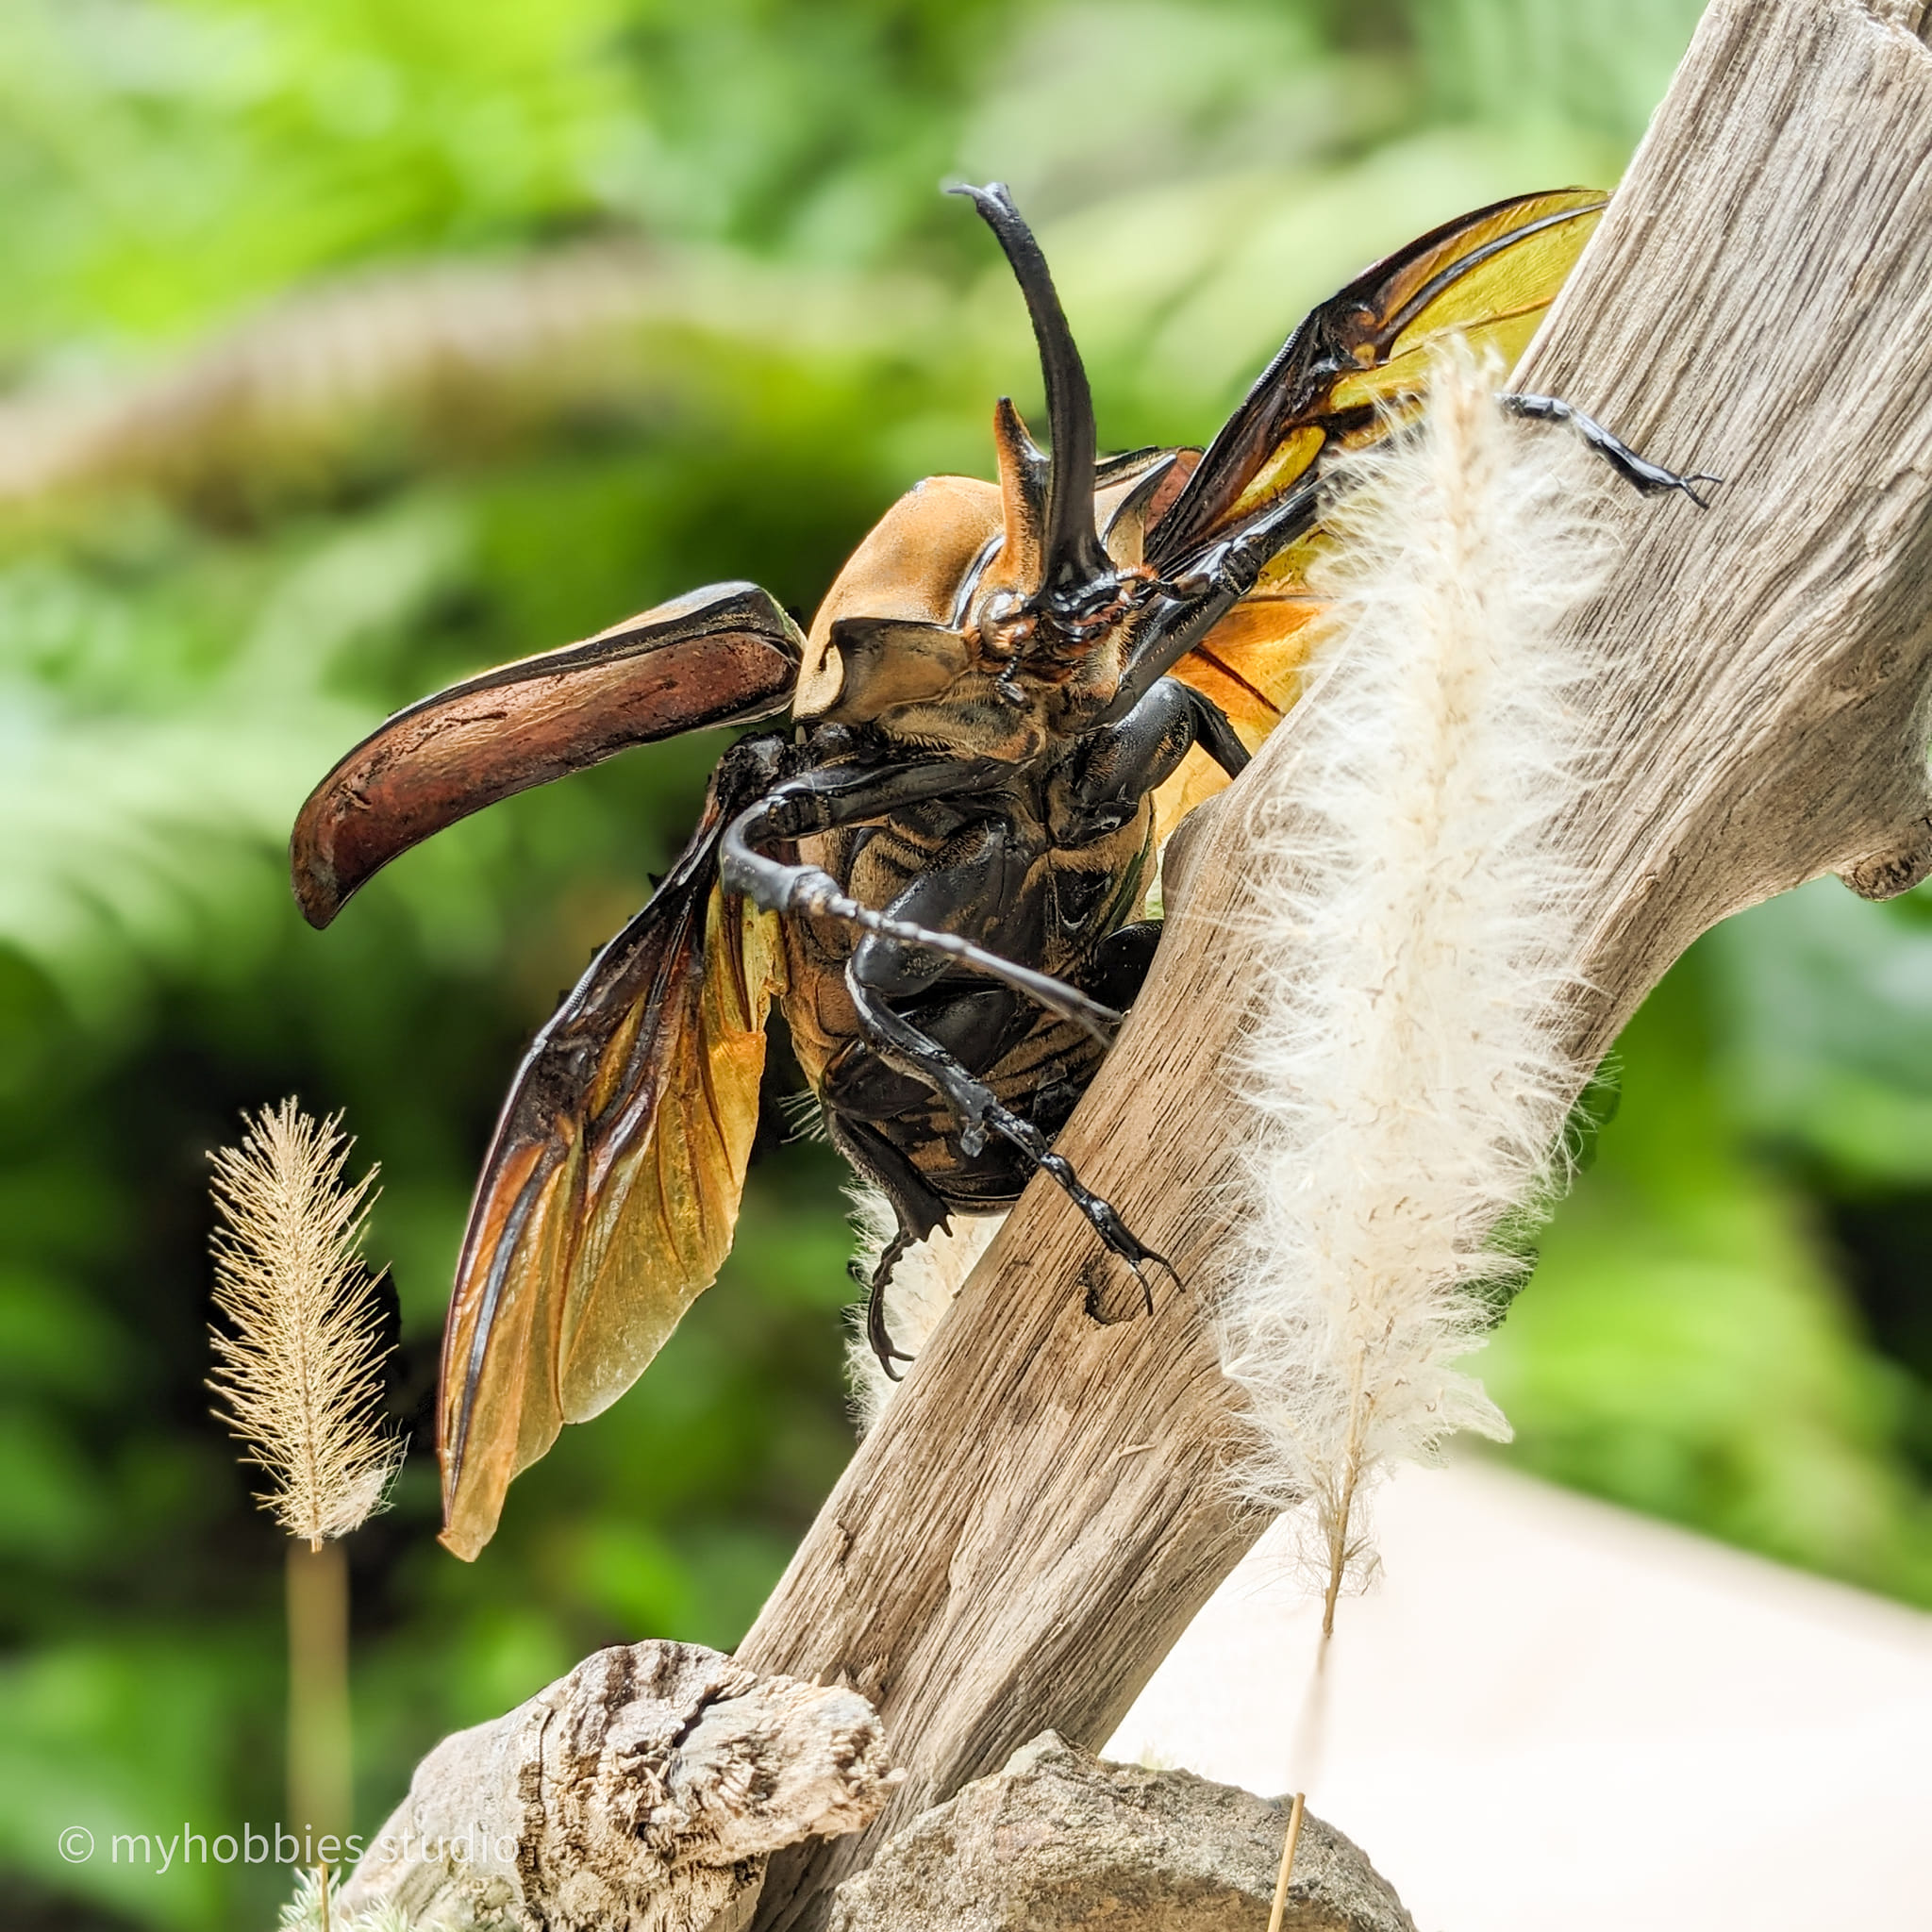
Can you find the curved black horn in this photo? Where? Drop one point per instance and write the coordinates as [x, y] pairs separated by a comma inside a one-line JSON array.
[[1072, 552]]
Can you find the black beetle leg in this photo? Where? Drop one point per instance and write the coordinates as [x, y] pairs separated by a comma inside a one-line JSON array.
[[915, 1206], [877, 1332], [903, 1045], [879, 1337], [1100, 1214], [773, 886], [817, 892], [1648, 477]]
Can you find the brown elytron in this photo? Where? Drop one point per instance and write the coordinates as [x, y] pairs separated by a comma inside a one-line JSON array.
[[1010, 695]]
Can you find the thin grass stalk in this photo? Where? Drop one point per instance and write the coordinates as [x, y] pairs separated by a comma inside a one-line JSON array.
[[320, 1743], [298, 1379], [1278, 1910]]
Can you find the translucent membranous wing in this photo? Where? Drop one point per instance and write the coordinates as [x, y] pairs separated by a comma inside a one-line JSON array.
[[1353, 367], [1487, 276], [609, 1195]]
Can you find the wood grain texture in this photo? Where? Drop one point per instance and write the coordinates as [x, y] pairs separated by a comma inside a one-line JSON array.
[[641, 1790], [1041, 1511]]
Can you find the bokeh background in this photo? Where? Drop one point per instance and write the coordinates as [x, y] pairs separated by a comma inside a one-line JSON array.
[[349, 347]]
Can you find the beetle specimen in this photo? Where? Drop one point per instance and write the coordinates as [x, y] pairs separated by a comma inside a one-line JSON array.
[[1010, 693]]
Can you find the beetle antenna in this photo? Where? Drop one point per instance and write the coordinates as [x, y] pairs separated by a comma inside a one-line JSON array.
[[1071, 555]]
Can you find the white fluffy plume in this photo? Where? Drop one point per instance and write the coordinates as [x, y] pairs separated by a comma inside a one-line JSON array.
[[1423, 929]]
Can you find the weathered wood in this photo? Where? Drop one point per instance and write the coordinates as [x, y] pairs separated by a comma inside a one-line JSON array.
[[1041, 1511], [642, 1790]]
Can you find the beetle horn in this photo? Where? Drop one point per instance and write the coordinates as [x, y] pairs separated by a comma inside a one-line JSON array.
[[1070, 555], [1024, 474]]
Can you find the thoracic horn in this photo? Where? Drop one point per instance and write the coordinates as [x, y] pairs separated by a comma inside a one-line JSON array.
[[1071, 557], [1022, 473]]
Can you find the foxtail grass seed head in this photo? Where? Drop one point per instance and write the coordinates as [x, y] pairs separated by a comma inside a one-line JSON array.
[[314, 1910], [298, 1366], [1423, 941]]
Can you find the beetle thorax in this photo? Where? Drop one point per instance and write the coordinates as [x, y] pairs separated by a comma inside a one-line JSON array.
[[945, 630], [992, 618]]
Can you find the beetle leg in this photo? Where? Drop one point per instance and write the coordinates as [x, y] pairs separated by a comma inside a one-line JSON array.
[[1121, 962], [877, 1335], [773, 886], [1214, 733], [917, 1209], [817, 894], [1115, 766], [978, 1108], [1191, 605], [1648, 477]]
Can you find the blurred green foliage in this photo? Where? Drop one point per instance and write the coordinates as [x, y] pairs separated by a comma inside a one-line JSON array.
[[1728, 1325]]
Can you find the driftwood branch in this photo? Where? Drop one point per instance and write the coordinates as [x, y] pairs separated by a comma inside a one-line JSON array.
[[644, 1790], [1041, 1509]]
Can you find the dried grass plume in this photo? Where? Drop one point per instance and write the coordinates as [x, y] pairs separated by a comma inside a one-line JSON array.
[[298, 1375], [1406, 1065]]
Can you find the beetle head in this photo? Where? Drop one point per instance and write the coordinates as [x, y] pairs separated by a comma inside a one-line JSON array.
[[985, 618]]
